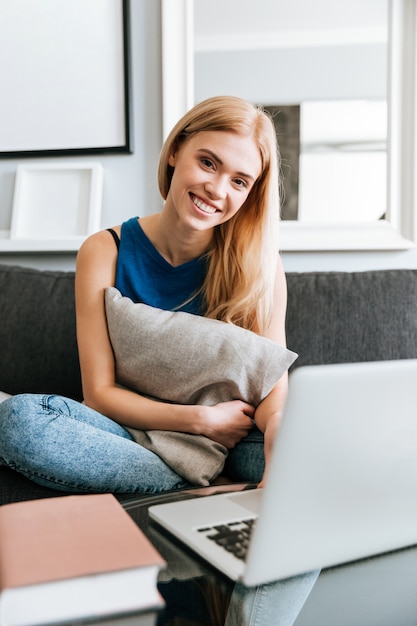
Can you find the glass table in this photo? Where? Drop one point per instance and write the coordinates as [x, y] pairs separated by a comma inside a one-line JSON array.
[[378, 591]]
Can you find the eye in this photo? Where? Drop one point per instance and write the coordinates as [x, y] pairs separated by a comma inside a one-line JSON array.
[[240, 182], [207, 162]]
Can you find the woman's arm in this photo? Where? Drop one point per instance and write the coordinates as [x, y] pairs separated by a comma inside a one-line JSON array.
[[268, 414], [96, 267]]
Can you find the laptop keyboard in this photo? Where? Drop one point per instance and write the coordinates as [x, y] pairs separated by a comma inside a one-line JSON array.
[[233, 537]]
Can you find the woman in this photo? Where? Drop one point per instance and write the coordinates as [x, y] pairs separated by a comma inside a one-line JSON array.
[[212, 250]]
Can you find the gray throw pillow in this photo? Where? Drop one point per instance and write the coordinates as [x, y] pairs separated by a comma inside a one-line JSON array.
[[188, 359]]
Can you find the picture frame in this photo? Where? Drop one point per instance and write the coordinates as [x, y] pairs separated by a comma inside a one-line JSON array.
[[66, 86], [57, 202]]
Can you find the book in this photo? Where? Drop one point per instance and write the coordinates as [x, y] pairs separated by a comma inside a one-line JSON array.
[[74, 558]]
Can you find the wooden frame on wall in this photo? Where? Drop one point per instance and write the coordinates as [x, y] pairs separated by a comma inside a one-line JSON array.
[[65, 71]]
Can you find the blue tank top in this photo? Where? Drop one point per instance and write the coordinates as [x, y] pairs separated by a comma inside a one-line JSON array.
[[143, 275]]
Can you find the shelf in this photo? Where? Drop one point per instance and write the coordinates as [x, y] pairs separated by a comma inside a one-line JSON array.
[[356, 236], [25, 245]]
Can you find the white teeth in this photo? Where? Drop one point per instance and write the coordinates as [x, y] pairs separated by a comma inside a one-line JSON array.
[[203, 206]]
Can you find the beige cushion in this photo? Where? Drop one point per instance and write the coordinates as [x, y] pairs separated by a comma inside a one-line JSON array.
[[188, 359]]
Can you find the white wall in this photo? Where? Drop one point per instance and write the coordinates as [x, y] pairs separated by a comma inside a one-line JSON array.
[[293, 75], [130, 186]]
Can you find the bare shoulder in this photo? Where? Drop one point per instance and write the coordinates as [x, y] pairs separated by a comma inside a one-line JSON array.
[[101, 245], [99, 242], [96, 260]]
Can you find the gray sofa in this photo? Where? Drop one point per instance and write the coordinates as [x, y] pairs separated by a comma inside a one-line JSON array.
[[332, 317]]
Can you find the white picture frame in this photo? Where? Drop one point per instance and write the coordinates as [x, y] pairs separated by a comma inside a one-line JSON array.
[[57, 202]]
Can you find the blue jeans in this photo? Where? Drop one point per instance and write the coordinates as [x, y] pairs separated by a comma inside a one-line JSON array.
[[246, 461], [63, 444], [275, 604]]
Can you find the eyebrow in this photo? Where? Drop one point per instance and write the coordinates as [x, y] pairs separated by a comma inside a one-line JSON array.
[[220, 162]]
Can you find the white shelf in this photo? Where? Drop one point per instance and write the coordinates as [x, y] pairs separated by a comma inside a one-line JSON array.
[[70, 244], [303, 236]]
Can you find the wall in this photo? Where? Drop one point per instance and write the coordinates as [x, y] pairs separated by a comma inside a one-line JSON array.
[[130, 186], [293, 75]]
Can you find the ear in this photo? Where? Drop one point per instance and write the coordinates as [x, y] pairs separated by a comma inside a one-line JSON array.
[[172, 159]]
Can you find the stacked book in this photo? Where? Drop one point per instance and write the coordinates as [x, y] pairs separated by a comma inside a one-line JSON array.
[[74, 559]]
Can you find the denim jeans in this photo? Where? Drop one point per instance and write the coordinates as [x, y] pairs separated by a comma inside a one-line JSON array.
[[246, 461], [275, 604], [63, 444]]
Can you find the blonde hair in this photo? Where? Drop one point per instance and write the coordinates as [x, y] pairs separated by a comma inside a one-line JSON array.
[[242, 258]]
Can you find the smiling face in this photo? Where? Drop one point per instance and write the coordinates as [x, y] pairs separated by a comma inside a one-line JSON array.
[[213, 173]]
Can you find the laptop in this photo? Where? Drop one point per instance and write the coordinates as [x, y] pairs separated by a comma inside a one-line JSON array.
[[342, 482]]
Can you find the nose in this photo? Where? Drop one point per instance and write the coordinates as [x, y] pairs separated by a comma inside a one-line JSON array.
[[216, 188]]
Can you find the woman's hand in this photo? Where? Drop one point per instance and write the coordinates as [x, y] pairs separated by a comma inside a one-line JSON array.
[[227, 422]]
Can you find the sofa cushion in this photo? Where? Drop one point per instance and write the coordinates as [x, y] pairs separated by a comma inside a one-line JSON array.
[[337, 317], [37, 332]]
